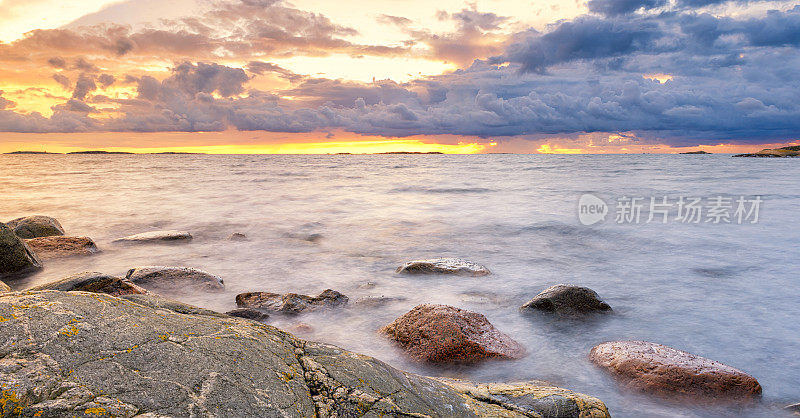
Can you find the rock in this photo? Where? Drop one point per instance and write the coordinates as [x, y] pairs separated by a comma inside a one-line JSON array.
[[444, 334], [303, 328], [4, 288], [444, 266], [290, 303], [665, 371], [567, 300], [376, 301], [82, 354], [93, 282], [237, 236], [535, 398], [249, 313], [36, 226], [16, 258], [60, 246], [790, 151], [156, 236], [158, 277], [309, 237], [793, 408]]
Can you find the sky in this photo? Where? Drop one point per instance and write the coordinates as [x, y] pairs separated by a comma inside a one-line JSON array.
[[272, 76]]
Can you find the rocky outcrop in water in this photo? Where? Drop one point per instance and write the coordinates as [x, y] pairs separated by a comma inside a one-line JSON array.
[[60, 246], [665, 371], [444, 266], [16, 258], [93, 282], [249, 313], [567, 300], [159, 277], [290, 303], [444, 334], [790, 151], [36, 226], [237, 236], [75, 353], [156, 236]]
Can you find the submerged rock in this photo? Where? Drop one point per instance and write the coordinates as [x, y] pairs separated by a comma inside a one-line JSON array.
[[93, 282], [290, 303], [665, 371], [156, 236], [444, 334], [249, 313], [377, 301], [793, 408], [444, 266], [36, 226], [237, 236], [16, 258], [536, 398], [159, 277], [60, 246], [73, 353], [567, 300]]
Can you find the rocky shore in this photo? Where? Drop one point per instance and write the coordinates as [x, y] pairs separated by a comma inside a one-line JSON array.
[[784, 152], [94, 344]]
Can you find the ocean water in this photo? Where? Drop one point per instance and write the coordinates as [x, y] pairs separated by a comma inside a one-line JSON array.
[[728, 292]]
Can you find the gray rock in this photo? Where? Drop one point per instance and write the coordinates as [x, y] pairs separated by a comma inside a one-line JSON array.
[[36, 226], [93, 282], [793, 408], [175, 278], [376, 301], [4, 288], [156, 236], [237, 236], [75, 353], [567, 300], [16, 258], [290, 303], [249, 313], [444, 266]]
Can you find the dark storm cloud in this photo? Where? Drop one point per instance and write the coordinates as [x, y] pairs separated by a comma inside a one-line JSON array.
[[619, 7]]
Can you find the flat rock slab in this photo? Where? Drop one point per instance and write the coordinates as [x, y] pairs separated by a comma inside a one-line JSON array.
[[61, 246], [249, 313], [290, 303], [36, 226], [444, 334], [157, 236], [158, 277], [567, 300], [16, 258], [86, 354], [536, 398], [444, 266], [669, 372], [93, 282]]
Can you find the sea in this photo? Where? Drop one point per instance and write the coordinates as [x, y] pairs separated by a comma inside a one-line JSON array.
[[713, 272]]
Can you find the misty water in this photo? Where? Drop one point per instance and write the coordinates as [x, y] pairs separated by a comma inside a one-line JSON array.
[[726, 291]]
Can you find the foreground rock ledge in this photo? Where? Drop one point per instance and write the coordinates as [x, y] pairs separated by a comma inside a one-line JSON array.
[[88, 354], [668, 372]]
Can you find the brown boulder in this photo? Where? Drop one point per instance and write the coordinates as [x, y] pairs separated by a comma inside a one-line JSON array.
[[290, 303], [93, 282], [60, 246], [444, 334], [249, 313], [567, 300], [36, 226], [665, 371]]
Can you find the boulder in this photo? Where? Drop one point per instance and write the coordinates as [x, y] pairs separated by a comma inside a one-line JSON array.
[[444, 266], [668, 372], [82, 354], [290, 303], [567, 300], [60, 246], [794, 409], [157, 236], [16, 258], [4, 288], [36, 226], [93, 282], [158, 277], [534, 398], [237, 236], [249, 313], [444, 334]]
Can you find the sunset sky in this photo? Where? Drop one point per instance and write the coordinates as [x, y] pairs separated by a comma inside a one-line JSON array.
[[269, 76]]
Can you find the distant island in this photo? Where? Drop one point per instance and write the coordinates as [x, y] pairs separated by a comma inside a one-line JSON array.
[[409, 152], [784, 152], [31, 152], [696, 152], [99, 152]]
